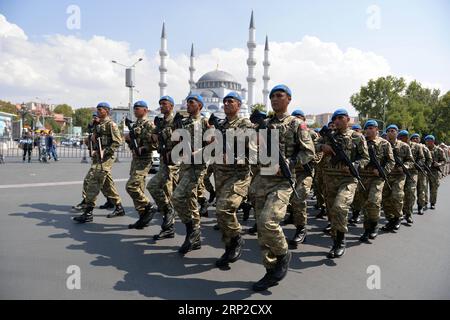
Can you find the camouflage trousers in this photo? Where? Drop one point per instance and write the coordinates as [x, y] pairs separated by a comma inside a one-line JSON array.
[[185, 196], [319, 187], [358, 200], [303, 187], [270, 195], [422, 190], [107, 185], [393, 199], [232, 188], [162, 184], [410, 194], [340, 191], [136, 183], [205, 184], [434, 186], [370, 199], [96, 178]]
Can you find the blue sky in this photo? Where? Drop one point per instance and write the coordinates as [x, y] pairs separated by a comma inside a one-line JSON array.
[[413, 35]]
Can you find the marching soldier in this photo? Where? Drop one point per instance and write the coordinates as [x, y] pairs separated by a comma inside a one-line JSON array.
[[107, 138], [232, 181], [438, 161], [422, 178], [141, 144], [358, 199], [206, 185], [411, 179], [346, 150], [271, 193], [393, 198], [161, 186], [304, 180], [185, 196], [373, 177]]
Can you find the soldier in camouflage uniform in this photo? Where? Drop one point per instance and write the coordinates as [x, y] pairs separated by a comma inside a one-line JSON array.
[[192, 171], [438, 161], [304, 180], [108, 181], [142, 149], [412, 178], [206, 185], [380, 152], [393, 199], [161, 186], [271, 193], [358, 200], [232, 181], [340, 184], [422, 178], [107, 138]]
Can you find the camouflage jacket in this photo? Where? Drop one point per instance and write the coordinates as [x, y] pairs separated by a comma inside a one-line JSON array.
[[427, 154], [438, 157], [143, 129], [355, 147], [418, 155], [109, 135], [384, 156], [404, 154], [165, 143]]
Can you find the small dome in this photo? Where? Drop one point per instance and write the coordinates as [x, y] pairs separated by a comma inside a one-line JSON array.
[[217, 75]]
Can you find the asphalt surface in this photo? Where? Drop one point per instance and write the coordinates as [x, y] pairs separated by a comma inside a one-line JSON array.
[[39, 241]]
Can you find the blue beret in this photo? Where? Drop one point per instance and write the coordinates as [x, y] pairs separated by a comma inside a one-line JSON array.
[[339, 112], [415, 135], [392, 126], [356, 127], [233, 95], [430, 137], [298, 112], [104, 105], [370, 123], [167, 98], [196, 97], [141, 104], [403, 133], [280, 87]]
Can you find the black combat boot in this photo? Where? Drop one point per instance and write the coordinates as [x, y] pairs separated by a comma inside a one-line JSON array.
[[80, 206], [266, 282], [192, 240], [373, 230], [389, 226], [145, 217], [118, 212], [107, 205], [216, 227], [397, 223], [203, 208], [233, 252], [419, 210], [299, 237], [167, 226], [338, 248], [327, 228], [87, 216], [253, 230], [432, 206], [282, 266], [365, 236], [322, 214], [212, 196], [409, 219], [355, 217]]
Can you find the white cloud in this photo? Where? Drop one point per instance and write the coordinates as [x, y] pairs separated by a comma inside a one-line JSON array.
[[79, 72]]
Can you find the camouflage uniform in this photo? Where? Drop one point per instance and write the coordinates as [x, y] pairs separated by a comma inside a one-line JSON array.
[[422, 179], [411, 182], [109, 134], [163, 183], [231, 184], [140, 165], [185, 196], [438, 157], [271, 193], [393, 199], [340, 184], [372, 197]]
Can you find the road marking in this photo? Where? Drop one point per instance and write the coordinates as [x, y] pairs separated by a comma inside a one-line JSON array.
[[47, 184]]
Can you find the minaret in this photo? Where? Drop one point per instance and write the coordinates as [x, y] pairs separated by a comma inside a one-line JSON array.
[[251, 63], [162, 67], [192, 69], [266, 77]]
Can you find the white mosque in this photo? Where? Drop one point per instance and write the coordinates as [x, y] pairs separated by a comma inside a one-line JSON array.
[[215, 85]]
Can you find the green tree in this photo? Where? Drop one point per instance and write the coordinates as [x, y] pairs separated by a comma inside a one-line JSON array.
[[50, 123], [8, 107], [82, 117], [64, 109]]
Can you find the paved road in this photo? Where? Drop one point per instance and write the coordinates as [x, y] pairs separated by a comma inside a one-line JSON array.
[[38, 242]]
